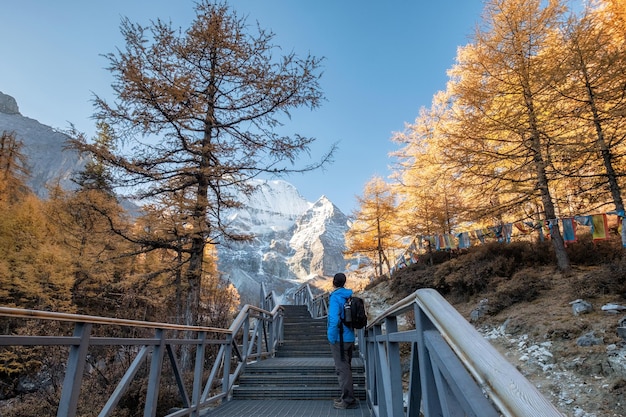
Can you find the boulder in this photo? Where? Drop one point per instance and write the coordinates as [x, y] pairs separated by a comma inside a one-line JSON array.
[[581, 307]]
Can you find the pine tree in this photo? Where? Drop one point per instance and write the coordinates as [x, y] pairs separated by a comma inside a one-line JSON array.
[[593, 108], [13, 168]]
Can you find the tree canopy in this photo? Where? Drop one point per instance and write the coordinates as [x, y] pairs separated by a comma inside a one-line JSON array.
[[530, 127]]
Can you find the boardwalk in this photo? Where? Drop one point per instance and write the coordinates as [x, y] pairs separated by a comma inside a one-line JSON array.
[[299, 381]]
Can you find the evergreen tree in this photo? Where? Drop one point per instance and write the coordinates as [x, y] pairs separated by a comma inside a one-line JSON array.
[[13, 168], [593, 106]]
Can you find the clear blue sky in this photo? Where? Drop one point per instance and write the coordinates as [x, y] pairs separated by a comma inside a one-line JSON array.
[[384, 60]]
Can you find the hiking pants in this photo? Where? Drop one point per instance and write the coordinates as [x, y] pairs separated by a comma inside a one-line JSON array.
[[343, 368]]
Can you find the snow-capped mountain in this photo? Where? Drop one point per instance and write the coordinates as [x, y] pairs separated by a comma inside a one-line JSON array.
[[294, 240], [318, 241]]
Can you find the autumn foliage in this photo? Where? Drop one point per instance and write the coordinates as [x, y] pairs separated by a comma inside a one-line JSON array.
[[530, 128]]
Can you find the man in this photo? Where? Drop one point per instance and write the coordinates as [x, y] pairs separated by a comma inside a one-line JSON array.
[[341, 340]]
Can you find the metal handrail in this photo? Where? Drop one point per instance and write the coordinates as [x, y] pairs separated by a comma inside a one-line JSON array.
[[258, 330], [316, 304], [454, 370], [68, 317]]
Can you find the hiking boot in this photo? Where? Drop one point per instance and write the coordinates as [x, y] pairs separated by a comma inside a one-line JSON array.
[[342, 405]]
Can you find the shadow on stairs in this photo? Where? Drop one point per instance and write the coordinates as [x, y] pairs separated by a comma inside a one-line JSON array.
[[299, 381]]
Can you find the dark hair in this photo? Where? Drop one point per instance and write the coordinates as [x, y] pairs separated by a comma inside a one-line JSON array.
[[339, 279]]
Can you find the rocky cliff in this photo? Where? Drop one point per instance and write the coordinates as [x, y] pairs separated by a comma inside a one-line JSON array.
[[49, 161]]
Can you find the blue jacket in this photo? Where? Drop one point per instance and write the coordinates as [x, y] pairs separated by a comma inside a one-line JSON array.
[[335, 309]]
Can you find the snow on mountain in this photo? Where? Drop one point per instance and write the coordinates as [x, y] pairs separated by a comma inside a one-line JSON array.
[[294, 240], [277, 196], [273, 206], [318, 241]]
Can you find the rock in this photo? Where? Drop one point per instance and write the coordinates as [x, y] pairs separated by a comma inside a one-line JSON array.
[[480, 311], [613, 308], [589, 339], [580, 306], [8, 105]]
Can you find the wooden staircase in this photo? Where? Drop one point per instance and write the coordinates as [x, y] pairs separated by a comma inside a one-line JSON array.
[[303, 367]]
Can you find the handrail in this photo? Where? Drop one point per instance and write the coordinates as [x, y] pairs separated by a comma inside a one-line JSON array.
[[454, 370], [505, 385], [69, 317], [258, 331], [317, 305]]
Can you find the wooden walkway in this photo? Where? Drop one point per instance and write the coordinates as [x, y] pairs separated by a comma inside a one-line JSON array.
[[300, 381]]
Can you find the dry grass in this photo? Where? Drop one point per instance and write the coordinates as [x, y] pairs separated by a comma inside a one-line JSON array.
[[525, 289]]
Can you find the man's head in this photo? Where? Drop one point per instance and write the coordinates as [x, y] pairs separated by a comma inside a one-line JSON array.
[[339, 280]]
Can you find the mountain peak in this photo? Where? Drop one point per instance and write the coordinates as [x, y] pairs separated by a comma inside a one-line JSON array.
[[275, 196], [294, 239], [48, 159], [8, 105]]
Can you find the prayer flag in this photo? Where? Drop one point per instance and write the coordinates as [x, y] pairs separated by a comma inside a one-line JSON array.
[[599, 228], [569, 229]]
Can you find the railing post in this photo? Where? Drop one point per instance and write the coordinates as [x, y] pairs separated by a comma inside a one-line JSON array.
[[226, 364], [74, 371], [382, 375], [154, 377], [245, 338], [432, 405], [414, 400], [271, 324], [370, 368], [259, 336], [197, 374], [281, 327], [394, 404]]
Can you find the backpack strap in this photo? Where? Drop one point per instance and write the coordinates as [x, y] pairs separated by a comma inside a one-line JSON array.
[[340, 325], [341, 338]]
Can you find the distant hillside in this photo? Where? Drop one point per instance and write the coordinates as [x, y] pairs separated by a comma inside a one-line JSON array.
[[48, 159]]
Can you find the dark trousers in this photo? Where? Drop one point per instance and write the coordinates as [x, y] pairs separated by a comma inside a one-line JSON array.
[[343, 368]]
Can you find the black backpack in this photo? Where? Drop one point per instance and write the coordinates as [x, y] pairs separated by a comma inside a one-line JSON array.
[[355, 316]]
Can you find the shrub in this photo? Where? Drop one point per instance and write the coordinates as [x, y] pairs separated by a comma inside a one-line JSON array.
[[525, 286], [607, 279], [587, 252]]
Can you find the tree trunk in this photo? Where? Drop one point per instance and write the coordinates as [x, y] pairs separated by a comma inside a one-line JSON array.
[[558, 244], [607, 157]]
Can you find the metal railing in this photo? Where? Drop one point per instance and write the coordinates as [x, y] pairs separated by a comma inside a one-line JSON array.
[[317, 304], [453, 369], [253, 335]]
